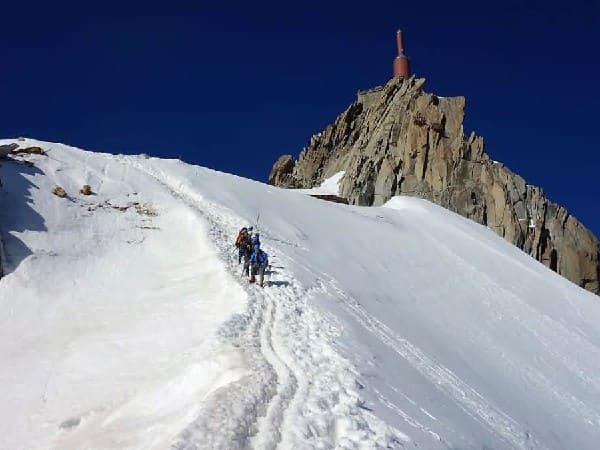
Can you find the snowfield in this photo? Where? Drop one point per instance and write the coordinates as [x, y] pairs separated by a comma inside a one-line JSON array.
[[125, 323]]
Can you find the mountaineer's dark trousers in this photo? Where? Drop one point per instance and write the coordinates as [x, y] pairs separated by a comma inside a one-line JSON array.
[[246, 267], [260, 271]]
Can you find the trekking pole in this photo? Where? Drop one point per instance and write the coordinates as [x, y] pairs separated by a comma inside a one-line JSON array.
[[257, 219]]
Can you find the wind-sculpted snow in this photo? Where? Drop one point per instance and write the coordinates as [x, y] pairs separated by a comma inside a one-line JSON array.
[[125, 322]]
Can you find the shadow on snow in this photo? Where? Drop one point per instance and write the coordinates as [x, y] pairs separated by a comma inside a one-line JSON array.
[[16, 212]]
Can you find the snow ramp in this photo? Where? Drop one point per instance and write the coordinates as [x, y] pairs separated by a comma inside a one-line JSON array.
[[125, 322]]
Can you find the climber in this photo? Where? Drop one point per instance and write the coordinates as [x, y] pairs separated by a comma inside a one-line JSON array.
[[246, 249], [255, 239], [243, 244], [259, 261]]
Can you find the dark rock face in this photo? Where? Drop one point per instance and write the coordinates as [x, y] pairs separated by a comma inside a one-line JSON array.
[[397, 139]]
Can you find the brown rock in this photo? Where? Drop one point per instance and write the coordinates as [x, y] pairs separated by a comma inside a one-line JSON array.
[[281, 172], [86, 190], [397, 139], [59, 192], [30, 151]]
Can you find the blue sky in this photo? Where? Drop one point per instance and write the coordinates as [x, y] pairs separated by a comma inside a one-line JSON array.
[[233, 87]]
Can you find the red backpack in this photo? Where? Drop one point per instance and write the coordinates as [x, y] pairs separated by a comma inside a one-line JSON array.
[[240, 237]]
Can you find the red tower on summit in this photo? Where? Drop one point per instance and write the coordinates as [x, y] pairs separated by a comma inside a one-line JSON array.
[[401, 65]]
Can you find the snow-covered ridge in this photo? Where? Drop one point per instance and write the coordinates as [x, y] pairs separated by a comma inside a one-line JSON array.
[[396, 327]]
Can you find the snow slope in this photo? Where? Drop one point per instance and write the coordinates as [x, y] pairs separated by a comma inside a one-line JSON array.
[[124, 322], [329, 186]]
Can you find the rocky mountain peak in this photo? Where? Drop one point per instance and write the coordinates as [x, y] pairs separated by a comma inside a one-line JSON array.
[[399, 140]]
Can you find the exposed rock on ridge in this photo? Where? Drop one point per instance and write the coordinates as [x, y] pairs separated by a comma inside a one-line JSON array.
[[397, 139]]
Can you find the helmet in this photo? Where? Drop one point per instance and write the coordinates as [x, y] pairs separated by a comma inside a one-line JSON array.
[[250, 228]]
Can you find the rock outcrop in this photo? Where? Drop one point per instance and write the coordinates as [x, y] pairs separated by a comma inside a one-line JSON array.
[[59, 192], [398, 139], [281, 173], [7, 149], [30, 151]]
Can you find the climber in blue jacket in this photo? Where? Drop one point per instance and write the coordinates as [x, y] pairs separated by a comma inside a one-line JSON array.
[[259, 261], [255, 239]]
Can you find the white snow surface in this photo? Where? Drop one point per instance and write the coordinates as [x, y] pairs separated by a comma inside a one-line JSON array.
[[125, 323], [329, 186]]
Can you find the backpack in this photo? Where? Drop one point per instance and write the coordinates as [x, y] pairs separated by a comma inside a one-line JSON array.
[[259, 258], [240, 237], [246, 244]]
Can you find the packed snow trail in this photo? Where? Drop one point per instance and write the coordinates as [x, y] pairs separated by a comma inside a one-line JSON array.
[[293, 344], [404, 326]]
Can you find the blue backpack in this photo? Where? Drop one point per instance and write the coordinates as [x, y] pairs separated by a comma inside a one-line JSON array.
[[260, 258]]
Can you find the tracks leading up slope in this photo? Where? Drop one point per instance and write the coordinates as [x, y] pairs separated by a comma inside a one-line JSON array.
[[298, 392]]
